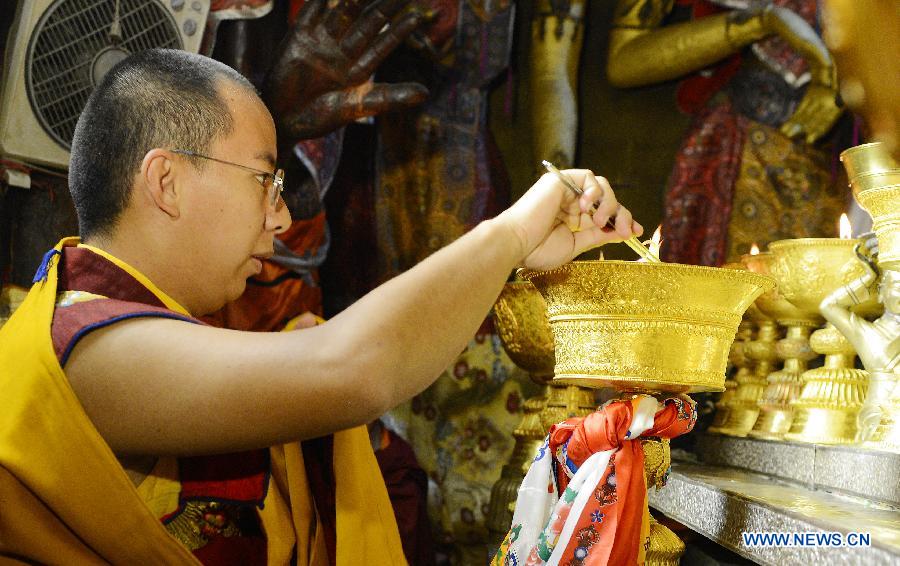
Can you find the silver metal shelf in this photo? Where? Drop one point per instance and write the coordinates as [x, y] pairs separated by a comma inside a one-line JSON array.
[[721, 503]]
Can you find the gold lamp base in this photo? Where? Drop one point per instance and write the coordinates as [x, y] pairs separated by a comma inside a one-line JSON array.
[[826, 411], [772, 423], [665, 546], [744, 407], [740, 419], [819, 425]]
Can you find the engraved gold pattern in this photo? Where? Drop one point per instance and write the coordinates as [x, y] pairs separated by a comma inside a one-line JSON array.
[[645, 326], [520, 314], [875, 180], [198, 520]]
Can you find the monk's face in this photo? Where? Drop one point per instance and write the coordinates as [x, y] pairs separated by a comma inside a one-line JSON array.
[[233, 224]]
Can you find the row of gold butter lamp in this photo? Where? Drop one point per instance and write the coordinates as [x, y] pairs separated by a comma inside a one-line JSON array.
[[795, 403]]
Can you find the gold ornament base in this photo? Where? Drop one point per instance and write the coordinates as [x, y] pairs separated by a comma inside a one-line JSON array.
[[826, 411], [720, 418], [772, 423], [665, 546], [821, 425], [564, 402], [740, 419]]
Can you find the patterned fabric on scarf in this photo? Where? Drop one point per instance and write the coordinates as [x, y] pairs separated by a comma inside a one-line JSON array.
[[584, 499]]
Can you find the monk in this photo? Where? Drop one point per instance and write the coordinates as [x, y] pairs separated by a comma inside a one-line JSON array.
[[131, 432]]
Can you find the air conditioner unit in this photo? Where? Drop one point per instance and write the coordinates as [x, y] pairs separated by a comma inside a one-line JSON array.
[[58, 51]]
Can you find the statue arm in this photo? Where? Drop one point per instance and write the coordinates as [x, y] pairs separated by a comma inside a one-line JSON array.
[[556, 38], [836, 307], [642, 53]]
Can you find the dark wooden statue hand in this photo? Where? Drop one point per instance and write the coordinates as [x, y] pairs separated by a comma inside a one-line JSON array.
[[320, 79]]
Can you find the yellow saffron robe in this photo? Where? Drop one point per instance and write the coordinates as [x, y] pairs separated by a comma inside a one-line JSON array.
[[65, 499]]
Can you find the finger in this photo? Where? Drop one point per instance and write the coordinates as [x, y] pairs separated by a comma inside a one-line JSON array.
[[608, 204], [591, 198], [368, 25], [340, 18], [384, 44], [623, 222], [309, 14], [589, 239], [636, 228], [389, 97]]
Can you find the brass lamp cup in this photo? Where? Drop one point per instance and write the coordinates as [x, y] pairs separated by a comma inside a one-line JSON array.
[[520, 314], [875, 180], [633, 326], [772, 303], [809, 269]]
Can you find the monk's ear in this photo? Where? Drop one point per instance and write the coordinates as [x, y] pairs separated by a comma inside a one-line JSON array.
[[157, 181]]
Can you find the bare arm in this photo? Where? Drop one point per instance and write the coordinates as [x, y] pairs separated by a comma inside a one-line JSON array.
[[165, 387]]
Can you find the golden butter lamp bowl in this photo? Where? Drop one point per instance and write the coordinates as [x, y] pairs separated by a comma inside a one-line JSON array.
[[520, 314], [753, 313], [654, 327], [875, 180], [810, 269], [772, 303]]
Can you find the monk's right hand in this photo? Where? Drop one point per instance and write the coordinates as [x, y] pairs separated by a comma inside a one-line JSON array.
[[554, 225]]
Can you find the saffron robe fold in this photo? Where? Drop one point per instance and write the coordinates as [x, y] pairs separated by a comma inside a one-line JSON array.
[[64, 497]]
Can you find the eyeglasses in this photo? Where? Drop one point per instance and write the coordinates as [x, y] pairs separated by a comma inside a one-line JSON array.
[[273, 183]]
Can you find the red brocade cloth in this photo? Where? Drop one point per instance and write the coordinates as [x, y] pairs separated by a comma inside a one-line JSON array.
[[699, 197]]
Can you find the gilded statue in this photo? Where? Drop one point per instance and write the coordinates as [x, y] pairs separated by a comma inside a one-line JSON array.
[[755, 165], [557, 33], [877, 343]]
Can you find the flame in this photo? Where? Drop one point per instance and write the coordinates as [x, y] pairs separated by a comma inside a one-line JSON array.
[[846, 229], [656, 240], [754, 249]]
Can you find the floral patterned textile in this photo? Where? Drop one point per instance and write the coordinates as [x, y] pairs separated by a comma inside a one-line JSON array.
[[584, 499], [459, 429]]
